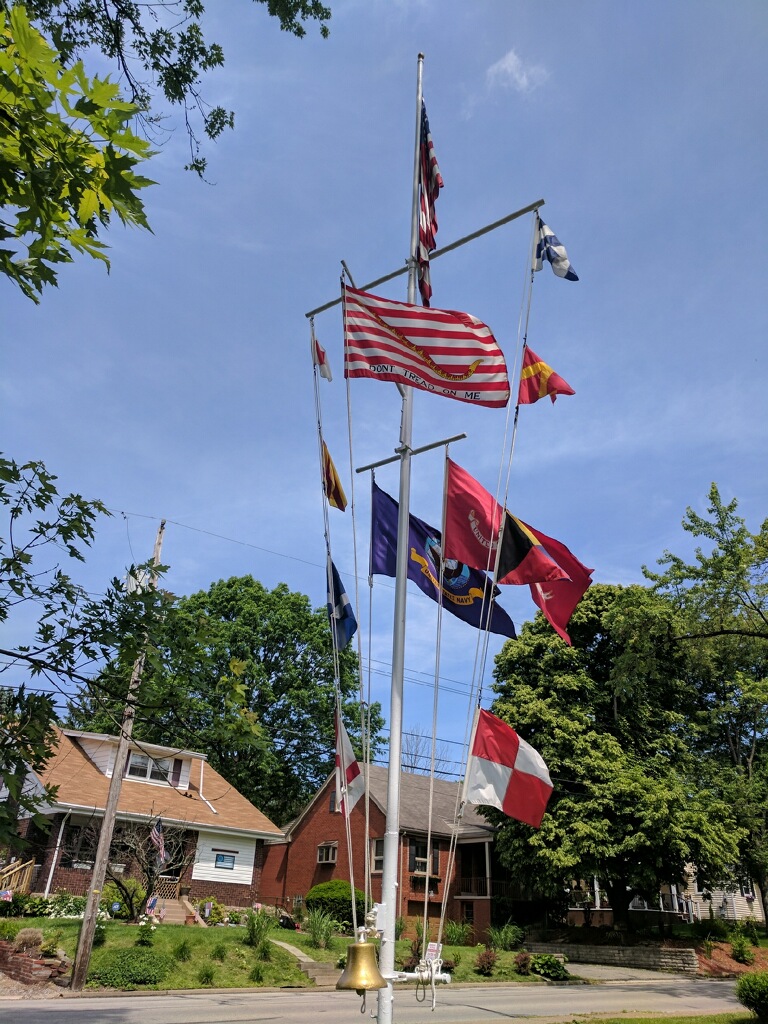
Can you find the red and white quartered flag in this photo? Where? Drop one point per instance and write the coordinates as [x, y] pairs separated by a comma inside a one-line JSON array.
[[441, 351], [350, 783], [506, 772]]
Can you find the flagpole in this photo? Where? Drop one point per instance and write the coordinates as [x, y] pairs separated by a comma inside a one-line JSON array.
[[392, 833]]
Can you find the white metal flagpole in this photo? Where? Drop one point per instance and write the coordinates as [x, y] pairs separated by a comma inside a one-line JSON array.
[[392, 833]]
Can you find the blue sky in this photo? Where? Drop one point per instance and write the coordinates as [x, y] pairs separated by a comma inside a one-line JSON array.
[[180, 385]]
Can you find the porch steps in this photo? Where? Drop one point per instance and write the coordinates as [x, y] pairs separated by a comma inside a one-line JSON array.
[[175, 913], [324, 975]]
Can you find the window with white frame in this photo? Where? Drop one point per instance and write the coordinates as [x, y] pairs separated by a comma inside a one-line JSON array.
[[377, 855], [326, 853], [747, 887], [141, 766]]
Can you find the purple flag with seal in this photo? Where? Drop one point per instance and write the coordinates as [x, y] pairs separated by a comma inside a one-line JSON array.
[[466, 593]]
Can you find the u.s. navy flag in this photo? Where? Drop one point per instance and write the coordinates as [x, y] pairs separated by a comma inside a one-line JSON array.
[[464, 589], [441, 351]]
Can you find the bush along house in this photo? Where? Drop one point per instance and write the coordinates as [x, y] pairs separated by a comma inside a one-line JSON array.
[[216, 835], [314, 850]]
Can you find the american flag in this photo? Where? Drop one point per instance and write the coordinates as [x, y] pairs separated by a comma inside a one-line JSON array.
[[438, 350], [430, 182], [6, 895], [158, 841]]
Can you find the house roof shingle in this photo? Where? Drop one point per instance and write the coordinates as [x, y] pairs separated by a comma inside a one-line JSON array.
[[82, 786]]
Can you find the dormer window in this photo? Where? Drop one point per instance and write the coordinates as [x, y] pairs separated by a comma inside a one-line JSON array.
[[141, 766]]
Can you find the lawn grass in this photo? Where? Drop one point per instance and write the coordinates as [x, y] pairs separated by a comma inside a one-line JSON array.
[[713, 1018], [221, 949], [463, 956]]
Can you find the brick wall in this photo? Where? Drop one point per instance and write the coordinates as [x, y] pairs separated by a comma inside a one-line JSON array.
[[23, 968], [291, 869], [653, 958]]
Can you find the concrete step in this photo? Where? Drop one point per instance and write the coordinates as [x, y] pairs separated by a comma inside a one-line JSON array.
[[322, 974], [175, 913]]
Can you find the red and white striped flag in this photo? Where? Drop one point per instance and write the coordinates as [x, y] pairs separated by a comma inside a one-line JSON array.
[[437, 350], [430, 183]]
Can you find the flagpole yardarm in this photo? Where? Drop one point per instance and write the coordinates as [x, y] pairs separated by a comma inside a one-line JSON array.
[[438, 252]]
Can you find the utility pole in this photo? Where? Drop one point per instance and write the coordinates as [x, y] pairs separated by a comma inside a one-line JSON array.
[[85, 942]]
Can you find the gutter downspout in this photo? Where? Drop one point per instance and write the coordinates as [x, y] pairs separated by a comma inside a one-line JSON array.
[[56, 852], [208, 802]]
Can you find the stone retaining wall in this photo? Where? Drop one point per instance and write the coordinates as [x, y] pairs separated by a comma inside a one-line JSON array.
[[23, 968], [652, 958]]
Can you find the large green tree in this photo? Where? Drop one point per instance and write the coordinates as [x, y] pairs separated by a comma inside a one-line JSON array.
[[159, 49], [722, 601], [67, 158], [274, 653], [611, 716]]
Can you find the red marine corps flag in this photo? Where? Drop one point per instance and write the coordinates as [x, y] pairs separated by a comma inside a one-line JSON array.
[[437, 350]]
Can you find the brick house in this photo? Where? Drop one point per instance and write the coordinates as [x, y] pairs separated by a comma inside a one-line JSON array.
[[314, 849], [226, 832]]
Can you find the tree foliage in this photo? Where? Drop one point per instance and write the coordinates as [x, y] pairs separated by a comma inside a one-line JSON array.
[[26, 738], [725, 591], [722, 599], [67, 158], [611, 716], [161, 51], [269, 653]]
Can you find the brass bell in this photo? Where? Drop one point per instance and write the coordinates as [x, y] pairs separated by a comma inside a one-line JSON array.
[[362, 972]]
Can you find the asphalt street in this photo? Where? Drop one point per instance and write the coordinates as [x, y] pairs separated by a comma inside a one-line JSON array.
[[462, 1005]]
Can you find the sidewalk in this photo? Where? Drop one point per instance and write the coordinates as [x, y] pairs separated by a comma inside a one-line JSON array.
[[603, 973]]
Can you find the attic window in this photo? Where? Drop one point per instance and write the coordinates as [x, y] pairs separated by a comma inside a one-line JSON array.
[[141, 766]]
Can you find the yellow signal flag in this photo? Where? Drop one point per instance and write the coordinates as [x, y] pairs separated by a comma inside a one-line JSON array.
[[334, 492]]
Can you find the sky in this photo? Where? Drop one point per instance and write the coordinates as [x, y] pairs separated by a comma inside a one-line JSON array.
[[180, 385]]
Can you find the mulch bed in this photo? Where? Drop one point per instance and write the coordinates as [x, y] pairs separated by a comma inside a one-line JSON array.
[[722, 965]]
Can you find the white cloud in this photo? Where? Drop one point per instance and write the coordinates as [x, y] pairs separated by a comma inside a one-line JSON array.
[[511, 72]]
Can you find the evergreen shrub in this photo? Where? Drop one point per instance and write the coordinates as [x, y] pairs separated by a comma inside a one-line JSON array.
[[752, 992], [335, 899]]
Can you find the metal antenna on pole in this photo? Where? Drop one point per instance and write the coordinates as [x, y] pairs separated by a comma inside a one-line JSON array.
[[88, 930]]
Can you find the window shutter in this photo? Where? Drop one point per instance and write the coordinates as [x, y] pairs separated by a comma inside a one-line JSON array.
[[435, 861], [176, 771], [412, 857]]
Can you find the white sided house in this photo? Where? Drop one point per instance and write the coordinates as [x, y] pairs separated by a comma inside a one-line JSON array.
[[223, 831]]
